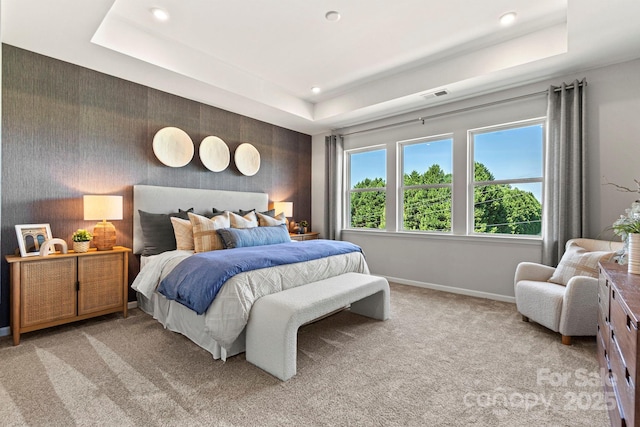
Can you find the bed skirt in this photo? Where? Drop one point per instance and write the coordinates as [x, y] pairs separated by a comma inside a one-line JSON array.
[[178, 318]]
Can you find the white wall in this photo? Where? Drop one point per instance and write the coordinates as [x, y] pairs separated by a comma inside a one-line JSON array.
[[485, 266]]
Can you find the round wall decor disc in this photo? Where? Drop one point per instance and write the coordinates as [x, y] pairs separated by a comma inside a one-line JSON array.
[[247, 159], [173, 147], [214, 154]]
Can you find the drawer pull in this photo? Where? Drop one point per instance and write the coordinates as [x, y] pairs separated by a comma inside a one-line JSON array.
[[628, 323], [627, 377], [613, 294]]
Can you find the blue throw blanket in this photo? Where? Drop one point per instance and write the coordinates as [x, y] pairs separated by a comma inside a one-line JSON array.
[[195, 282]]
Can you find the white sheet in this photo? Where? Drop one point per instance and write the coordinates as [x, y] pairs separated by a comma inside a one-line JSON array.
[[227, 316]]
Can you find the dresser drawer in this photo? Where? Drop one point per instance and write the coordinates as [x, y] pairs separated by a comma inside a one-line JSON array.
[[603, 324], [602, 353], [603, 293], [624, 385], [625, 332]]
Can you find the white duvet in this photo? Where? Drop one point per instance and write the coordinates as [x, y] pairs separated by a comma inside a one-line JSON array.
[[227, 316]]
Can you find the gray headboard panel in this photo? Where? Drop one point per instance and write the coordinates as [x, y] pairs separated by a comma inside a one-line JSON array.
[[155, 199]]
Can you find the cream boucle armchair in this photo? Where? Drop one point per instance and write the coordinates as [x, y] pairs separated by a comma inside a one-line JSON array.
[[570, 309]]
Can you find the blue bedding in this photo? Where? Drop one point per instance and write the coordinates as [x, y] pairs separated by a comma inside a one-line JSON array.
[[196, 281]]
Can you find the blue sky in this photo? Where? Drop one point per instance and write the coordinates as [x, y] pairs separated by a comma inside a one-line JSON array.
[[508, 154]]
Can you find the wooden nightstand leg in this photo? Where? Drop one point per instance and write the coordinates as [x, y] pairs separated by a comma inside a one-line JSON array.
[[15, 302], [125, 291]]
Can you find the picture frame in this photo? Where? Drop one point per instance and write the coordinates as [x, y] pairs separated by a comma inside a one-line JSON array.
[[31, 237]]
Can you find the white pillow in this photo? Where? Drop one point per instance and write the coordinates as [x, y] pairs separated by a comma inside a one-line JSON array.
[[248, 221], [576, 261], [268, 221], [205, 236], [183, 230]]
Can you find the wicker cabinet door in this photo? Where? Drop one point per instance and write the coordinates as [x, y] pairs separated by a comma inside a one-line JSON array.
[[47, 290], [100, 280]]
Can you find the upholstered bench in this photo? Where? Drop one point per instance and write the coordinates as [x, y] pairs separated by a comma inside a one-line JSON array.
[[274, 319]]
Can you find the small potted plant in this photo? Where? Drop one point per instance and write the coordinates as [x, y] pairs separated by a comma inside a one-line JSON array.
[[303, 226], [81, 240]]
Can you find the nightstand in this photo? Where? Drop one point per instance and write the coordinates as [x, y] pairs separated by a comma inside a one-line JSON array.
[[61, 288], [304, 236]]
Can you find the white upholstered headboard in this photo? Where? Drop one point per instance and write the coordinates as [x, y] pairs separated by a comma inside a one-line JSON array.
[[155, 199]]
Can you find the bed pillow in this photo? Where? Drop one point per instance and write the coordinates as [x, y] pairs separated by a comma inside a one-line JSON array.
[[183, 231], [249, 220], [205, 237], [157, 231], [576, 261], [257, 236], [270, 212], [268, 221]]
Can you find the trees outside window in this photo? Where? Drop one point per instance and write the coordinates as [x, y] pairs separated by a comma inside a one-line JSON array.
[[504, 175], [426, 184], [367, 188], [507, 178]]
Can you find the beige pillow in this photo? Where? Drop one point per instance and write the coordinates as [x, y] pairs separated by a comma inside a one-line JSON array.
[[576, 261], [205, 236], [183, 230], [250, 220], [268, 221]]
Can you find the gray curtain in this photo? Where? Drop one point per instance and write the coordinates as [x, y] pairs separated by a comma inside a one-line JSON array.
[[564, 206], [333, 201]]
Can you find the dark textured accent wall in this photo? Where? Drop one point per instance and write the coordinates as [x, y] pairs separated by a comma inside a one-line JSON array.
[[69, 131]]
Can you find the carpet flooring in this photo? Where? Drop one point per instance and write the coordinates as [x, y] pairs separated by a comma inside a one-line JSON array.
[[441, 360]]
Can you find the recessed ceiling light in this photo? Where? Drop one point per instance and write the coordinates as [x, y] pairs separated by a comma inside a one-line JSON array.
[[508, 18], [332, 16], [160, 14], [316, 90]]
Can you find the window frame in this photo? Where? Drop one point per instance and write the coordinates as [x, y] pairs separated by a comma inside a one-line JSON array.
[[401, 186], [346, 220], [472, 184]]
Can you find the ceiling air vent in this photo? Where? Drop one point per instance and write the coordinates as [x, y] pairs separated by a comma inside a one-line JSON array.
[[441, 92]]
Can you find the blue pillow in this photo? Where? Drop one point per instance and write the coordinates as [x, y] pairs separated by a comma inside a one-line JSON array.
[[256, 236]]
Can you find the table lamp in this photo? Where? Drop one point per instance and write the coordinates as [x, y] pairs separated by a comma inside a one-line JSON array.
[[103, 208], [286, 208]]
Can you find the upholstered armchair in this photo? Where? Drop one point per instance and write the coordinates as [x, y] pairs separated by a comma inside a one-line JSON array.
[[564, 299]]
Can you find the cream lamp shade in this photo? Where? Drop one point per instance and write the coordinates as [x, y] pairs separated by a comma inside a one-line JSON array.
[[103, 208], [286, 208]]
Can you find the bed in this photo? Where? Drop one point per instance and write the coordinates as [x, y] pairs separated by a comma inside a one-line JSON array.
[[220, 328]]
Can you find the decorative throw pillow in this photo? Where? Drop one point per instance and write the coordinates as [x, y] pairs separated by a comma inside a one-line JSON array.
[[268, 221], [157, 231], [257, 236], [576, 261], [205, 237], [249, 220], [183, 231]]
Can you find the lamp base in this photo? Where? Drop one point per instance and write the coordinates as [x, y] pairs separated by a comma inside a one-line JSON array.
[[104, 236]]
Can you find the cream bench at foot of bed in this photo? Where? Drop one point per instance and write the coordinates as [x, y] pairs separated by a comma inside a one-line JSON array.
[[274, 320]]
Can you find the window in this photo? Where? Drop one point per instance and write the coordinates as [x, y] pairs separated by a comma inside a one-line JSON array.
[[367, 172], [425, 189], [507, 178]]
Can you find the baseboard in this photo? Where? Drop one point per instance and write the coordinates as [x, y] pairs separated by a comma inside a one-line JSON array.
[[453, 290], [7, 330]]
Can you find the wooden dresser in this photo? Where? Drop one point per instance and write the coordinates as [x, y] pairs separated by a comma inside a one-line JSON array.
[[62, 288], [617, 340], [304, 236]]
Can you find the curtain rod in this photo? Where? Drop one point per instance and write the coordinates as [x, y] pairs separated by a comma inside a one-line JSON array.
[[460, 110]]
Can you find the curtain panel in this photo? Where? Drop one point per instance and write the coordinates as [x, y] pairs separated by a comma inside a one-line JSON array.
[[564, 204], [334, 152]]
